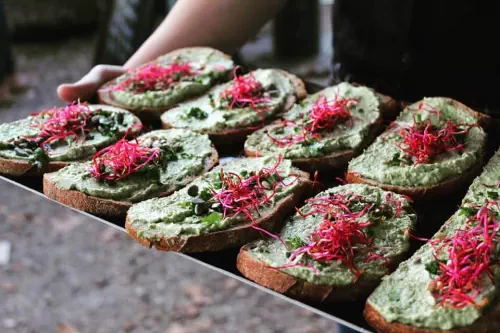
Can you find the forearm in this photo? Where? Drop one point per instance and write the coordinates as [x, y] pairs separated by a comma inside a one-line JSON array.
[[221, 24]]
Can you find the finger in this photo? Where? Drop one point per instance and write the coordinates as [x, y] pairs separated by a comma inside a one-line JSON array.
[[86, 87]]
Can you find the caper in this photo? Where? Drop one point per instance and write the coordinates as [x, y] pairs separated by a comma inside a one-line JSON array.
[[119, 118], [193, 190], [200, 209]]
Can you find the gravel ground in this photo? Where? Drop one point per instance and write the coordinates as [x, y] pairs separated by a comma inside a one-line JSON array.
[[66, 273]]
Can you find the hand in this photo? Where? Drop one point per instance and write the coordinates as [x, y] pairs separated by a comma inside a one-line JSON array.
[[87, 86]]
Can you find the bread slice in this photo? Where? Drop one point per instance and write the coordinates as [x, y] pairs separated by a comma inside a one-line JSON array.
[[236, 136], [22, 167], [261, 272], [433, 191], [339, 159], [233, 237], [106, 207], [105, 96], [258, 271], [489, 323]]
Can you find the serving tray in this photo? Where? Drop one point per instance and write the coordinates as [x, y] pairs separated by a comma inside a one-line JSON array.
[[431, 215]]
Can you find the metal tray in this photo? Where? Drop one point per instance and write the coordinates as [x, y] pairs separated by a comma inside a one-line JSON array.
[[431, 215]]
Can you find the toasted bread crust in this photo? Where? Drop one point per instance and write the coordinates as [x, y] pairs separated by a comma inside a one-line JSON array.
[[434, 191], [259, 272], [100, 206], [488, 324], [232, 237], [18, 168], [236, 136], [338, 160], [105, 96], [269, 277]]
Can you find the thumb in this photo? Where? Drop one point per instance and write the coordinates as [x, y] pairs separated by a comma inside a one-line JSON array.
[[86, 87]]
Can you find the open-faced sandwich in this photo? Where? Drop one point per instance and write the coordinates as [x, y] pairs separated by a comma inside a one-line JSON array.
[[451, 284], [51, 139], [326, 129], [229, 112], [155, 164], [172, 78], [337, 247], [227, 207], [435, 146]]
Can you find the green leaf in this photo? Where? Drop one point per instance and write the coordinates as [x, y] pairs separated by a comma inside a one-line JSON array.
[[213, 217], [493, 195]]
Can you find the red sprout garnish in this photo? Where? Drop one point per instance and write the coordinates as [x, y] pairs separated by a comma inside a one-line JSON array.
[[246, 195], [323, 116], [61, 123], [245, 91], [470, 252], [341, 236], [122, 159], [326, 114], [154, 77], [422, 140]]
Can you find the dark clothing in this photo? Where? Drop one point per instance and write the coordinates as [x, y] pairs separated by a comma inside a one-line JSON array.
[[6, 57], [410, 49]]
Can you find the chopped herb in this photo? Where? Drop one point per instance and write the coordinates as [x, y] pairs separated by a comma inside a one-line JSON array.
[[205, 194], [433, 267], [493, 195], [468, 211], [196, 113], [39, 158], [396, 160], [213, 217], [294, 243], [279, 130], [186, 204]]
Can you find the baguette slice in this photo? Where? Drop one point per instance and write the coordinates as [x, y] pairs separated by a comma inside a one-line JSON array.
[[444, 187], [108, 207], [234, 236], [192, 54], [20, 167], [230, 137], [266, 274], [339, 159], [410, 274]]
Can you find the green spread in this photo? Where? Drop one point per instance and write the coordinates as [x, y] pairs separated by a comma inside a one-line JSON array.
[[390, 239], [210, 113], [211, 68], [192, 152], [405, 297], [346, 135], [177, 214], [384, 163], [110, 125]]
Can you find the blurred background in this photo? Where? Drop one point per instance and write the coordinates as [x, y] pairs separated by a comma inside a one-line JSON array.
[[62, 272]]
